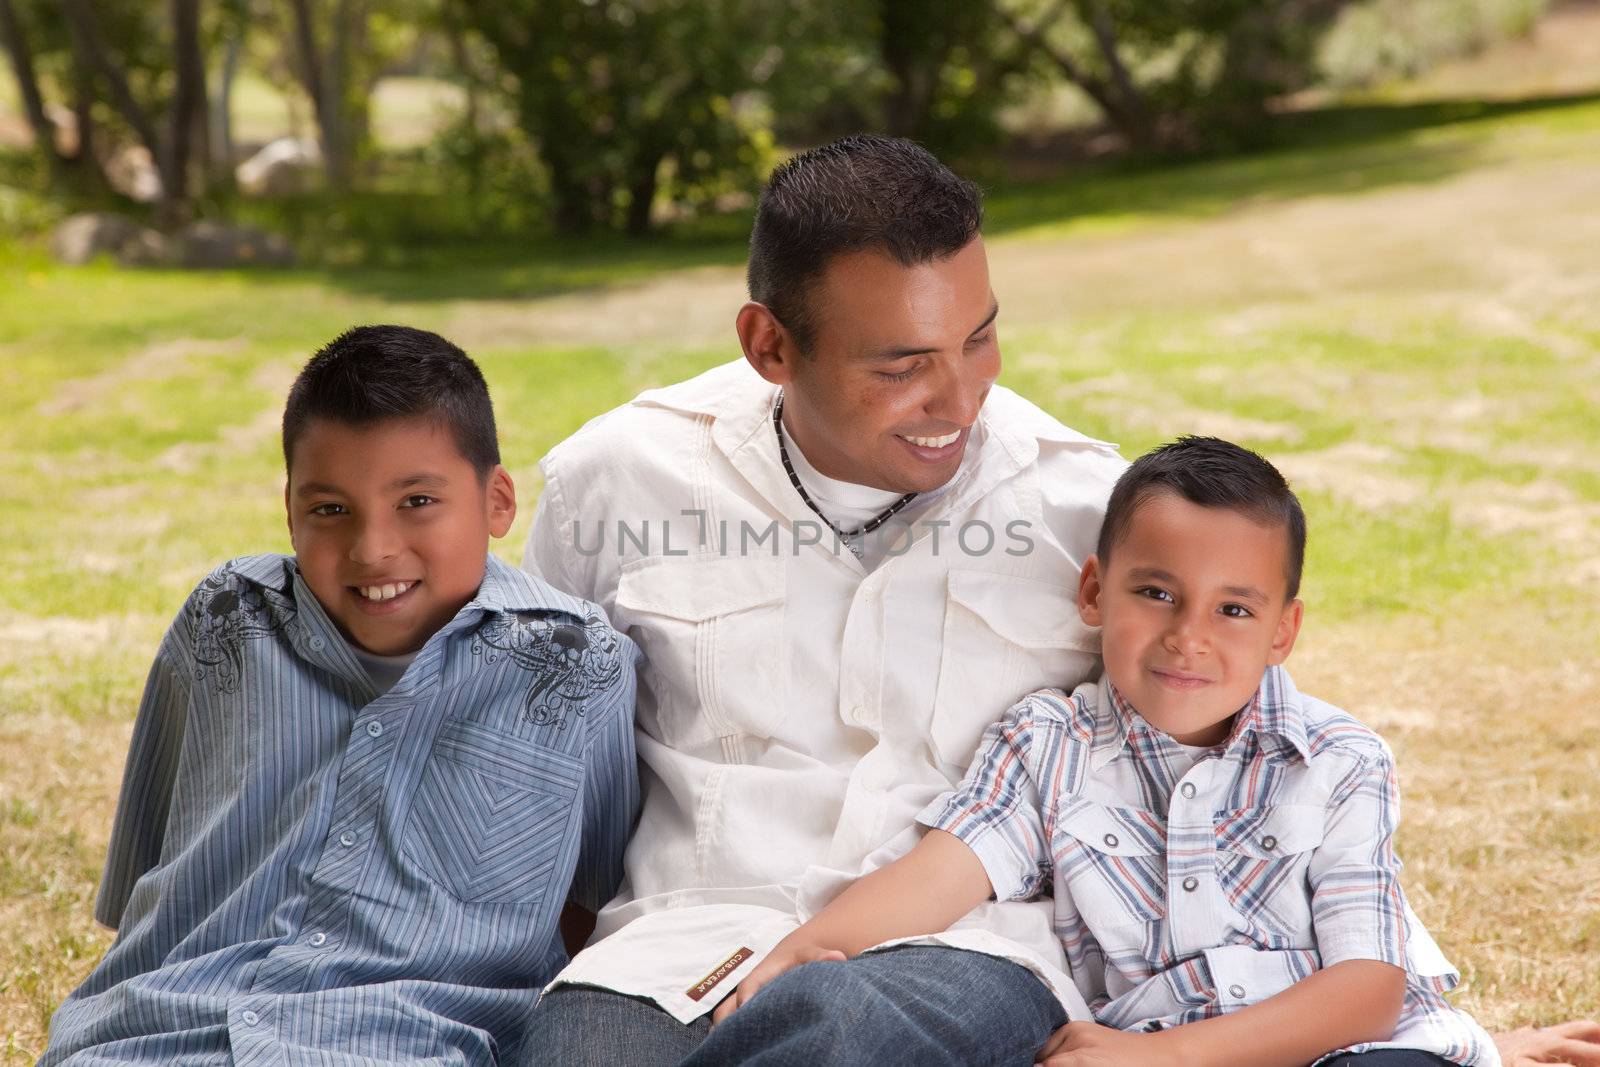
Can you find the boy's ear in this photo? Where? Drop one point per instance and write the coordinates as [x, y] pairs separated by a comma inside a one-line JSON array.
[[767, 345], [288, 514], [501, 502], [1089, 589], [1288, 629]]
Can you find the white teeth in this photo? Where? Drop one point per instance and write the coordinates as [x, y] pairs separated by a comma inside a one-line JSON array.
[[934, 442], [383, 592], [388, 591]]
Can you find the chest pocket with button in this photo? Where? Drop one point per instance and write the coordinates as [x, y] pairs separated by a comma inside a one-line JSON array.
[[712, 634], [1004, 637], [1263, 855], [494, 816], [1112, 861]]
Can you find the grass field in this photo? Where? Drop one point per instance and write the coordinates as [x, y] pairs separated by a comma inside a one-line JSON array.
[[1402, 308]]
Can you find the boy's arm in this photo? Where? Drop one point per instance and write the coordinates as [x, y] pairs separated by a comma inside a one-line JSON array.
[[148, 777], [1346, 1004], [922, 892]]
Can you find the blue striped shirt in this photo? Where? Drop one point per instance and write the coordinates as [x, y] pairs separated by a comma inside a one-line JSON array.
[[302, 871], [1184, 890]]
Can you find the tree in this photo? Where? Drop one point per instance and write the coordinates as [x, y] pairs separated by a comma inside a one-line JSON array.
[[615, 94], [15, 39], [1166, 74], [328, 73]]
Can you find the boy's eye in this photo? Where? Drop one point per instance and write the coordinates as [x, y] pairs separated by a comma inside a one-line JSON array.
[[327, 509], [1153, 593], [1236, 611], [419, 500]]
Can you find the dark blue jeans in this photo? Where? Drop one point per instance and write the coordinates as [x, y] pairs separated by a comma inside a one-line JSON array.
[[1388, 1057], [918, 1005]]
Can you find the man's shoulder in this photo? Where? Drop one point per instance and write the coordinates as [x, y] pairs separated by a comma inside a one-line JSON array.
[[1064, 455], [653, 423]]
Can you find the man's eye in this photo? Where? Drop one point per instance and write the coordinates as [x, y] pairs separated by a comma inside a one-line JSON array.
[[1236, 611], [419, 500], [327, 509], [898, 376], [982, 339]]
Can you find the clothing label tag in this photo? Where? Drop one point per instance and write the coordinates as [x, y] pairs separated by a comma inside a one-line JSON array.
[[725, 968]]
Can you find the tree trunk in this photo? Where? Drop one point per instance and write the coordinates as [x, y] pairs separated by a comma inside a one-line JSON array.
[[16, 42], [642, 181], [89, 50], [188, 106], [221, 107]]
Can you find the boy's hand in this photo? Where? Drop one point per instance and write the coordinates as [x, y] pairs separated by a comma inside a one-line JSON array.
[[785, 957], [1574, 1043], [1093, 1045]]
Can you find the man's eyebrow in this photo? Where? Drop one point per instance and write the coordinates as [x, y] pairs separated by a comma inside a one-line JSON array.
[[885, 355]]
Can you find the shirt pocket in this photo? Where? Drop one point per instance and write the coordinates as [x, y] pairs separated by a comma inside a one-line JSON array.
[[494, 816], [1263, 857], [1113, 862], [712, 632], [1004, 637]]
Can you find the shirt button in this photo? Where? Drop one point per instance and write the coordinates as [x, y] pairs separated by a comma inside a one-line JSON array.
[[374, 729], [250, 1018], [1111, 840], [1188, 790], [1236, 991], [347, 839], [317, 644], [1269, 842], [1190, 884], [317, 940]]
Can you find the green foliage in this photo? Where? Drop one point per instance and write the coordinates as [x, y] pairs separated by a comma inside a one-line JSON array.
[[1380, 40]]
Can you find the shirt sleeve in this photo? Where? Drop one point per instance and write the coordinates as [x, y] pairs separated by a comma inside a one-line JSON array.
[[610, 787], [552, 550], [996, 809], [1357, 908], [140, 824]]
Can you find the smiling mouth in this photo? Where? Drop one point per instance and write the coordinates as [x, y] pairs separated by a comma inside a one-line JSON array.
[[385, 591], [1179, 680], [934, 442]]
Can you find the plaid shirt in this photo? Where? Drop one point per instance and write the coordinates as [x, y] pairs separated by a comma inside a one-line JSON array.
[[1186, 891]]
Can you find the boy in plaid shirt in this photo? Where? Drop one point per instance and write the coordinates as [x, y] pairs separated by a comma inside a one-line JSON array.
[[1219, 847]]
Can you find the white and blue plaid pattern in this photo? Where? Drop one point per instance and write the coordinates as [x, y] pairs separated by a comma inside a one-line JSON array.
[[1183, 892], [303, 872]]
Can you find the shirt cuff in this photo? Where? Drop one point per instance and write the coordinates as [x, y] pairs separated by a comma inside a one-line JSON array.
[[1009, 876]]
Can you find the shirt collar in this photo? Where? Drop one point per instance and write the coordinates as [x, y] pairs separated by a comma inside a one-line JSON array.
[[1273, 716]]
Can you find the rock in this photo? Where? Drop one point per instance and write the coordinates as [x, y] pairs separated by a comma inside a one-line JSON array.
[[133, 173], [150, 248], [282, 167], [213, 246], [80, 238]]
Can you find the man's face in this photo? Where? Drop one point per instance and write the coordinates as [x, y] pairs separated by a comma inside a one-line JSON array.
[[1193, 608], [901, 360], [391, 527]]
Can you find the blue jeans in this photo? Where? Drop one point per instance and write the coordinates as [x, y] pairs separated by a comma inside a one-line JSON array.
[[1388, 1057], [917, 1005]]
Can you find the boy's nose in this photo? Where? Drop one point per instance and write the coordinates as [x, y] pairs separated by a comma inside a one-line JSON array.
[[1184, 637], [375, 543]]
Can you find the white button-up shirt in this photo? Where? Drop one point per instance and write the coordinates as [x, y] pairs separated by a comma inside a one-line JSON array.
[[797, 710]]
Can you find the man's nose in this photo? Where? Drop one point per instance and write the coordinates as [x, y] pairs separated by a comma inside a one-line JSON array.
[[960, 394]]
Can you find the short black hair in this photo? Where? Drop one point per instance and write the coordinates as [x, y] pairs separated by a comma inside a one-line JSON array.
[[861, 192], [1212, 473], [372, 373]]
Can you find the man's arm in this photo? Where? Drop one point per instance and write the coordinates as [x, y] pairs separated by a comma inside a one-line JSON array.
[[922, 892], [1346, 1004]]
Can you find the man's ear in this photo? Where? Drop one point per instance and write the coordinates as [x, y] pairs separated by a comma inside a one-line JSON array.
[[501, 502], [1288, 629], [1089, 589], [767, 345]]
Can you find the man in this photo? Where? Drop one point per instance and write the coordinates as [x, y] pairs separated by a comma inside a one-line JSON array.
[[843, 556]]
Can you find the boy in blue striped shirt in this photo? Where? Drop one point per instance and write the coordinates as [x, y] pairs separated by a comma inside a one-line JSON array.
[[1218, 846], [365, 778]]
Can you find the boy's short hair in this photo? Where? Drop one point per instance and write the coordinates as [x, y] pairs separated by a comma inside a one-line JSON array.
[[372, 373], [1212, 473], [883, 193]]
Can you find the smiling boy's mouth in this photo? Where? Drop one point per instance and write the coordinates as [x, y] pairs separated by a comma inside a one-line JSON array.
[[383, 591]]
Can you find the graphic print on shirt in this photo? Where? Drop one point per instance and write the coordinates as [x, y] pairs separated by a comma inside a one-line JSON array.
[[570, 661], [222, 616]]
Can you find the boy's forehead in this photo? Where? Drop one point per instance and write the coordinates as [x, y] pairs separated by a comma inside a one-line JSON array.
[[1181, 536], [419, 445]]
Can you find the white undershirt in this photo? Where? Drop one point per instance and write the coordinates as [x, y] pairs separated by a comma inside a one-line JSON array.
[[848, 505]]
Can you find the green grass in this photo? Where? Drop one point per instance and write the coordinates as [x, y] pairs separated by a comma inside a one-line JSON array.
[[1338, 303]]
